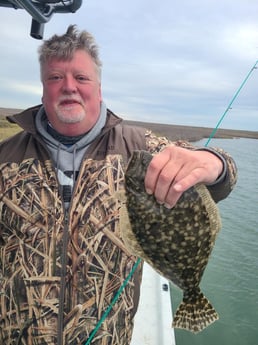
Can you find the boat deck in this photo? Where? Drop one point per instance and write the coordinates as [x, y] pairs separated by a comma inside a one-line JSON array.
[[154, 317]]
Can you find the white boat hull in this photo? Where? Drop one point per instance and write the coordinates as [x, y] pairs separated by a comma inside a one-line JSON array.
[[153, 319]]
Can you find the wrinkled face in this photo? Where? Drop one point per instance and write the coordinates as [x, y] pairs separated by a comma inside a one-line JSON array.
[[71, 93]]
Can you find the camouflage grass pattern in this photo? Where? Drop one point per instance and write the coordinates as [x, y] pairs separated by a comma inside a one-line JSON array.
[[31, 234]]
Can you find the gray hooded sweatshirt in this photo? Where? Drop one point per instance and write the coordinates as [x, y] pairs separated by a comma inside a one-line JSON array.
[[67, 152]]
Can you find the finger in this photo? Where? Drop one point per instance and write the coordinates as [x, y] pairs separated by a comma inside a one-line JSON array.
[[171, 201], [153, 172], [179, 187], [165, 180], [188, 180]]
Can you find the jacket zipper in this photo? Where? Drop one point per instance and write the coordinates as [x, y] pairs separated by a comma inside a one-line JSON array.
[[60, 321]]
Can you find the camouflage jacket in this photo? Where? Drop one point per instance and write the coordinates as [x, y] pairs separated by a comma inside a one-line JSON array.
[[59, 271]]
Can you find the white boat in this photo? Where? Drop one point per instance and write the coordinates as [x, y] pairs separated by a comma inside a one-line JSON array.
[[153, 319]]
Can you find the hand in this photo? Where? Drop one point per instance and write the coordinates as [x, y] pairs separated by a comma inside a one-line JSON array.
[[175, 169]]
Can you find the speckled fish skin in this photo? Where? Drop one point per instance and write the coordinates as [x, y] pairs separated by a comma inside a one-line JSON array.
[[176, 242]]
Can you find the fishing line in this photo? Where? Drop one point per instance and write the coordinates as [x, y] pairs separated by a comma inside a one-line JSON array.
[[105, 314], [119, 291], [230, 104]]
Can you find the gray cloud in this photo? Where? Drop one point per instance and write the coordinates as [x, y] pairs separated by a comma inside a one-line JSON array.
[[172, 61]]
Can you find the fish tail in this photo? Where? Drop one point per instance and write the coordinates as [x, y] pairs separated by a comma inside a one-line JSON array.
[[195, 312]]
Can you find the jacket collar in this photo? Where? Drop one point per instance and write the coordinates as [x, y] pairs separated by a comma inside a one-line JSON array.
[[26, 119]]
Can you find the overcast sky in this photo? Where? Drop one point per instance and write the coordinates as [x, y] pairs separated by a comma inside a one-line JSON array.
[[170, 61]]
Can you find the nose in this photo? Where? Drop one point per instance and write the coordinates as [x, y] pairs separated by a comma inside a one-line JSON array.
[[69, 84]]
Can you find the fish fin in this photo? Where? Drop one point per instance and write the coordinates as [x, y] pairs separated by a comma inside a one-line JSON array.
[[128, 235], [194, 314]]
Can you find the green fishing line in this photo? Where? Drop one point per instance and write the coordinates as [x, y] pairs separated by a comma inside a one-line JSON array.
[[105, 314]]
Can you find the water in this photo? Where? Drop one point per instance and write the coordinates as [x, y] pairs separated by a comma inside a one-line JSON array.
[[230, 280]]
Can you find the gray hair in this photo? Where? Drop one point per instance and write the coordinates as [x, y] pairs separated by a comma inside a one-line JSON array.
[[64, 46]]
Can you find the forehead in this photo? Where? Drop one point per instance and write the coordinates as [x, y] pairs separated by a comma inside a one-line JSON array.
[[80, 60]]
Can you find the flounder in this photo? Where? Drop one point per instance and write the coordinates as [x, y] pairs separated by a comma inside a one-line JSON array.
[[176, 242]]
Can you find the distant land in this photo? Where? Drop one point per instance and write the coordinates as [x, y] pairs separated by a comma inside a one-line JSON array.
[[192, 133], [175, 132]]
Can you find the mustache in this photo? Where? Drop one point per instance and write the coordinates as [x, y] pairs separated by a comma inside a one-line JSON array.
[[64, 99]]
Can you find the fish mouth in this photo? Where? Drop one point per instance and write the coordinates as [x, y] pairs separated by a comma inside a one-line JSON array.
[[138, 164], [131, 183], [134, 164]]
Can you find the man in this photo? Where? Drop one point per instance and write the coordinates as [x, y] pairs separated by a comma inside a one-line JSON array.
[[62, 256]]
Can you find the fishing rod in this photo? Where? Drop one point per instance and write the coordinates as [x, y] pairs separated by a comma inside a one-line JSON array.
[[230, 103]]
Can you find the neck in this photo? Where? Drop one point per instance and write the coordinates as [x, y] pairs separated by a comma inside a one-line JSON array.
[[63, 139]]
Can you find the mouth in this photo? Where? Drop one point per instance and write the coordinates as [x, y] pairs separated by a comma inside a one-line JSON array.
[[69, 102]]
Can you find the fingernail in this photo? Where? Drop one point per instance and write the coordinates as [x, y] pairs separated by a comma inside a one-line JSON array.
[[178, 187], [168, 206], [149, 191]]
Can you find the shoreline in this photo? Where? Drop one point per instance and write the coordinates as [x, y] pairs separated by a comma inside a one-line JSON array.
[[174, 132], [192, 133]]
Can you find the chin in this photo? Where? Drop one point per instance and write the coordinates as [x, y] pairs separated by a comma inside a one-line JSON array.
[[71, 117]]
